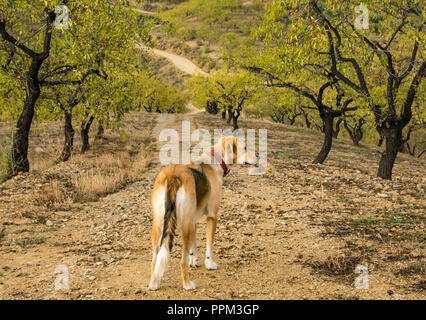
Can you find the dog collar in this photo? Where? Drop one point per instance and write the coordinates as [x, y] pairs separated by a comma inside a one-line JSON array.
[[222, 163]]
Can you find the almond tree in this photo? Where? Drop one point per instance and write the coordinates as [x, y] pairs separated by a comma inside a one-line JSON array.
[[231, 90], [381, 67], [40, 55], [354, 127], [396, 47], [30, 59], [308, 76], [152, 95]]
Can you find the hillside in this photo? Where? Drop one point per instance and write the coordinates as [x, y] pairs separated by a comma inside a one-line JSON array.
[[296, 232], [299, 231], [203, 31], [213, 34]]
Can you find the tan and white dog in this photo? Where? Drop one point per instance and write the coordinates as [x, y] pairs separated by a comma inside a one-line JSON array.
[[184, 193]]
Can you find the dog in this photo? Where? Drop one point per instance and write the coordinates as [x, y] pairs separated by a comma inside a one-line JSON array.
[[184, 193]]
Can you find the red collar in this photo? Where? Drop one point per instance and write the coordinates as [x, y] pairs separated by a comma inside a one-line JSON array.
[[222, 163]]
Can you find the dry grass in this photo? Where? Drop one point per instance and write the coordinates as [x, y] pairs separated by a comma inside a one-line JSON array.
[[42, 164], [418, 267], [109, 173], [90, 185], [336, 266], [120, 158], [50, 195], [4, 160]]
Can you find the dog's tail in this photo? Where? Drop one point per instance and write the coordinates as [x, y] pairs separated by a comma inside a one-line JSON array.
[[169, 227]]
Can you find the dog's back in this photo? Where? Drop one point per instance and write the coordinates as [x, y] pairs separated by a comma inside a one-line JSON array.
[[192, 178]]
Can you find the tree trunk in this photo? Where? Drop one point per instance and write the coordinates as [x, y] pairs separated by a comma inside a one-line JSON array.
[[411, 151], [19, 152], [224, 114], [393, 139], [69, 137], [356, 132], [337, 129], [308, 123], [84, 131], [235, 120], [230, 115], [328, 139], [278, 117], [211, 107], [101, 130]]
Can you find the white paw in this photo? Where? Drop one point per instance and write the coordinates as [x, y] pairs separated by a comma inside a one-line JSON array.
[[191, 286], [193, 261], [210, 264], [153, 286]]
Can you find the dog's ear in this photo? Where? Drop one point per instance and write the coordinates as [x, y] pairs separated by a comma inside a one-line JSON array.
[[227, 150]]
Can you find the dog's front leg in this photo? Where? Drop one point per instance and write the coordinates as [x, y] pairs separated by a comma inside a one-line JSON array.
[[211, 229], [193, 260]]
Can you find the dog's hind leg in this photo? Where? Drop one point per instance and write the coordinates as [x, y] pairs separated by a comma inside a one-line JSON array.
[[160, 247], [188, 236], [155, 237]]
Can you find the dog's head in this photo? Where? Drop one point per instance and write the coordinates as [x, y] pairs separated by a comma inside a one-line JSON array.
[[235, 151]]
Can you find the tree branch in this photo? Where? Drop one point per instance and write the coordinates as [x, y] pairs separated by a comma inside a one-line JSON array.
[[74, 82], [11, 39], [406, 112]]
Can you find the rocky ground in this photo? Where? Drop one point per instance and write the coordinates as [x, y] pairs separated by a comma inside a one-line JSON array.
[[297, 232]]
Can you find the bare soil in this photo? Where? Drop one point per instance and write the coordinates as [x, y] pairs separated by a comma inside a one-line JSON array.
[[296, 232]]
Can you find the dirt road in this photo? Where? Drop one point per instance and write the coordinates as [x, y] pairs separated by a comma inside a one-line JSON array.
[[183, 64], [297, 232]]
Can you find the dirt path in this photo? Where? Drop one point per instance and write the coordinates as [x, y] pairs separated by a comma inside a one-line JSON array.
[[148, 13], [181, 63], [96, 242], [192, 109], [296, 232], [282, 235]]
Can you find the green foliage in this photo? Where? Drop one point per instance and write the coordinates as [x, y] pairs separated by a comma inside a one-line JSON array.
[[222, 25], [211, 13], [151, 95], [12, 93], [234, 48], [296, 42], [228, 89], [101, 38]]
